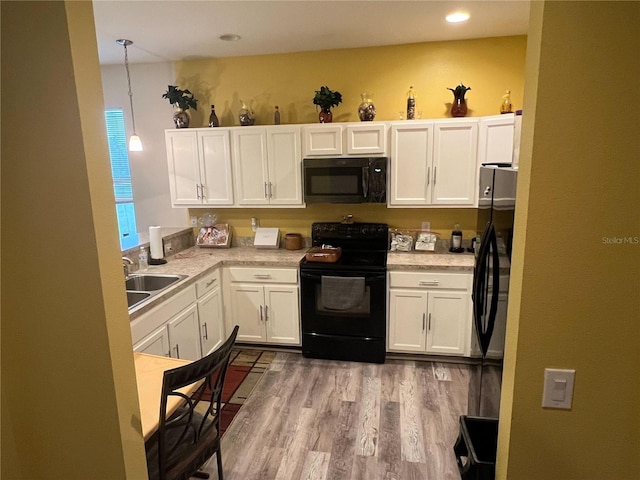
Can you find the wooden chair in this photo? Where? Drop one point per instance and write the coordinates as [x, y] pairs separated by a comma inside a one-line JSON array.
[[190, 436]]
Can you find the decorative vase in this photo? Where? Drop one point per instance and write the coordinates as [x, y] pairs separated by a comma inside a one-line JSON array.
[[181, 118], [325, 115], [459, 105], [366, 110], [246, 116]]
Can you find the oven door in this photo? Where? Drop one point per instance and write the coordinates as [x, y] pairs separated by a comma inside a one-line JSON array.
[[364, 316]]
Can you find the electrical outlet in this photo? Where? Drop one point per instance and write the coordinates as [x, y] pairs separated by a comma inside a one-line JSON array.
[[194, 221], [168, 248]]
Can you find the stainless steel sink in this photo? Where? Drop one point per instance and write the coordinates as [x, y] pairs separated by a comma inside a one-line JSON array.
[[150, 282], [143, 286], [134, 298]]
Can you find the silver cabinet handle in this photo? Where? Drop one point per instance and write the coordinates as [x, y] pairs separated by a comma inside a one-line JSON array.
[[177, 349], [270, 191], [266, 195], [429, 282], [266, 313], [428, 172], [208, 284], [423, 321], [262, 275], [435, 172], [198, 191], [206, 332], [261, 316], [202, 190], [168, 354], [429, 326]]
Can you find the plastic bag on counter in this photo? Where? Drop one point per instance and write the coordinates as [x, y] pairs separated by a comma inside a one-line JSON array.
[[401, 241], [207, 220]]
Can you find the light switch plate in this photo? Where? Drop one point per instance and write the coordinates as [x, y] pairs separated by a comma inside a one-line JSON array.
[[558, 388]]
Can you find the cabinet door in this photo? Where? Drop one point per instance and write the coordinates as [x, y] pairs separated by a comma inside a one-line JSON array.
[[156, 343], [410, 166], [495, 139], [216, 167], [366, 138], [246, 309], [320, 140], [250, 166], [407, 320], [184, 335], [184, 167], [282, 314], [211, 321], [447, 322], [455, 171], [285, 167]]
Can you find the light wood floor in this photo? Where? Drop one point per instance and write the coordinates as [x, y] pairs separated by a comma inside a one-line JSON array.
[[329, 420]]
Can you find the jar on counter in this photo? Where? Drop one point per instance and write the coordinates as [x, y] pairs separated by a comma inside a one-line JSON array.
[[293, 241]]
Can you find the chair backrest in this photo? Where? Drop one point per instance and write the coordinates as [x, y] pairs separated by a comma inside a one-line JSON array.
[[191, 435]]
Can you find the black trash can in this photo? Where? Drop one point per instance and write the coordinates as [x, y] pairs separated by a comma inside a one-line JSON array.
[[476, 448]]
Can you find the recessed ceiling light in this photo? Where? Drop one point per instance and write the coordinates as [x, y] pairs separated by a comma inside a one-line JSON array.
[[229, 37], [457, 17]]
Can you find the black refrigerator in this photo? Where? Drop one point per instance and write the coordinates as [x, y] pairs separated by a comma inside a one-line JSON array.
[[496, 207], [475, 447]]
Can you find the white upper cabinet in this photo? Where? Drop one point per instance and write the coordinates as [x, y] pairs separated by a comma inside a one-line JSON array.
[[322, 140], [199, 163], [433, 163], [347, 139], [455, 172], [495, 140], [267, 165]]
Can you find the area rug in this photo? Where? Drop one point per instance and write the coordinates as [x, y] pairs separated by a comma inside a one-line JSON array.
[[245, 370]]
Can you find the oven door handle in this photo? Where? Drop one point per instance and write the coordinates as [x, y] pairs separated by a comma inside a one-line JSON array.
[[367, 279]]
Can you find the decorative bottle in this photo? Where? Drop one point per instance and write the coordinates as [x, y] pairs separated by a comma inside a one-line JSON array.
[[411, 104], [143, 259], [456, 239], [505, 106], [213, 118], [276, 116]]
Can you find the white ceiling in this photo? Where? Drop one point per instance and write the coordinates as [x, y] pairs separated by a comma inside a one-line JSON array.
[[170, 30]]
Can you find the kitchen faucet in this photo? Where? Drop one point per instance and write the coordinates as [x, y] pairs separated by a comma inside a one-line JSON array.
[[126, 261]]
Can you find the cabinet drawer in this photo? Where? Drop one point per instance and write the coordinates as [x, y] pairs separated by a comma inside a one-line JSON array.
[[454, 281], [263, 275], [208, 283]]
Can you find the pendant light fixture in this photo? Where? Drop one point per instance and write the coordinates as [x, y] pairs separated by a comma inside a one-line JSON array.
[[135, 144]]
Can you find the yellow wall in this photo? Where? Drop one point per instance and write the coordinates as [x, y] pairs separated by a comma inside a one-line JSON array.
[[69, 401], [574, 295], [489, 66], [299, 220]]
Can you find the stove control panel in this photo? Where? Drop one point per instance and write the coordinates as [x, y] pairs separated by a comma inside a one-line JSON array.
[[334, 230]]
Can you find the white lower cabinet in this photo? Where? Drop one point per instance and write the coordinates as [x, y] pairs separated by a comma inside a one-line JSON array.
[[189, 325], [265, 303], [429, 313], [212, 331], [184, 335], [155, 344]]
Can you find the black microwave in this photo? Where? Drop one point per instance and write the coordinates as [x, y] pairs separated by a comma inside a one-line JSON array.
[[345, 180]]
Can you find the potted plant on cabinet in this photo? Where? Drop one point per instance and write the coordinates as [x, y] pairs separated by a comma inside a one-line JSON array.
[[325, 99], [182, 100]]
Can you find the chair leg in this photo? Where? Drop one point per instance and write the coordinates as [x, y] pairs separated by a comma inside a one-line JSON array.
[[219, 461]]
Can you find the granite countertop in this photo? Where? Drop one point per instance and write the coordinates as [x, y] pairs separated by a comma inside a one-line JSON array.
[[197, 262]]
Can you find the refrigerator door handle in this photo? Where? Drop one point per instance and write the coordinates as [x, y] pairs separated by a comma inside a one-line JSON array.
[[488, 256]]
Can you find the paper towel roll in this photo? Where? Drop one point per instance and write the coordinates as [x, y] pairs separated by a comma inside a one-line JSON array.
[[155, 241]]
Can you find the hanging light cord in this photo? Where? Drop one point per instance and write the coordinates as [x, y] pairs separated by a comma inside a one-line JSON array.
[[126, 65]]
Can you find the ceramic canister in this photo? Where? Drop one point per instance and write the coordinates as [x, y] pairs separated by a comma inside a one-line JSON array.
[[293, 241]]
